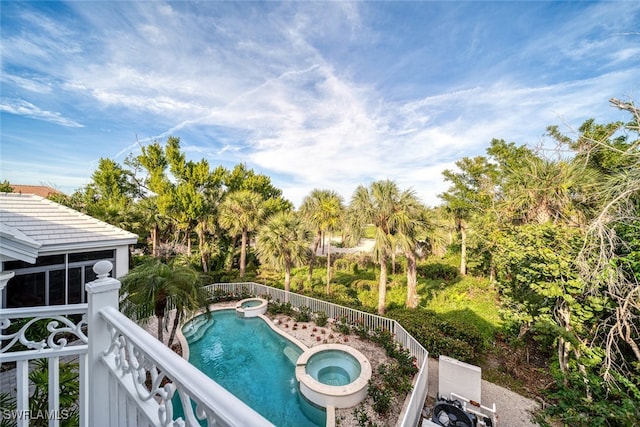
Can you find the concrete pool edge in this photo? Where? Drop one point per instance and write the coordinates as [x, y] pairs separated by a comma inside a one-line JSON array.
[[213, 307], [345, 396], [251, 311], [283, 333], [330, 409]]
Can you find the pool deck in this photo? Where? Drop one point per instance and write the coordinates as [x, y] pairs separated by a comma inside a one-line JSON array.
[[513, 409]]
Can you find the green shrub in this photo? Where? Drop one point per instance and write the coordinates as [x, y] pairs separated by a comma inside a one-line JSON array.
[[220, 295], [406, 362], [321, 318], [360, 414], [341, 264], [395, 378], [302, 314], [458, 340], [361, 331], [353, 268], [364, 285], [276, 307], [382, 398], [610, 405], [343, 326], [437, 271]]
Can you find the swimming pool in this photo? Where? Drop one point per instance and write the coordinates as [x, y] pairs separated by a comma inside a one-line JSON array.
[[257, 365]]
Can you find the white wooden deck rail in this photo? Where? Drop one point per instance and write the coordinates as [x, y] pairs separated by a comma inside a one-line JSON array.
[[413, 408]]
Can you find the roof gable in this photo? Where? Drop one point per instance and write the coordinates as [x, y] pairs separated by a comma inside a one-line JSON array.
[[15, 245], [57, 227]]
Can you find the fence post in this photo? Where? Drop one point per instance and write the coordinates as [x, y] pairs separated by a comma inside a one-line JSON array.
[[102, 292]]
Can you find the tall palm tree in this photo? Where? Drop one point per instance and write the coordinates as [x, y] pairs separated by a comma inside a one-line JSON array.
[[324, 211], [391, 211], [154, 287], [308, 210], [154, 222], [282, 242], [414, 239], [207, 228], [241, 212]]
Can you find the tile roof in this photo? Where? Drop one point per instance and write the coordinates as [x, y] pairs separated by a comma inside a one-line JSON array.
[[58, 227], [38, 190]]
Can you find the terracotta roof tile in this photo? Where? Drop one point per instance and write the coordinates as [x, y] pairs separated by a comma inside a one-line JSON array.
[[38, 190]]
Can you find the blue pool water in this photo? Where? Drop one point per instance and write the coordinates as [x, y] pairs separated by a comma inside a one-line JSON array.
[[251, 303], [245, 356], [333, 367]]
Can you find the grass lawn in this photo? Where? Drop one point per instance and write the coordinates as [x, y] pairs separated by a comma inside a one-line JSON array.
[[470, 301]]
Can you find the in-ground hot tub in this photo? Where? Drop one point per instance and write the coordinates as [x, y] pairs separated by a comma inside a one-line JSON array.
[[251, 307], [333, 374]]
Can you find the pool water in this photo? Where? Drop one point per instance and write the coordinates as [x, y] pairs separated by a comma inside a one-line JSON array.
[[333, 375], [248, 358], [251, 303], [333, 367]]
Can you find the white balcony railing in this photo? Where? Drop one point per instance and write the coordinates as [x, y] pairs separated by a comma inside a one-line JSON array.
[[128, 378], [66, 339]]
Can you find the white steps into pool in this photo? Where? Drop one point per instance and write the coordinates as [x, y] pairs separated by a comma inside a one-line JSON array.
[[196, 328], [291, 354]]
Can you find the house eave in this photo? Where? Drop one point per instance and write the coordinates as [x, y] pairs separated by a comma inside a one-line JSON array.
[[15, 245], [76, 246]]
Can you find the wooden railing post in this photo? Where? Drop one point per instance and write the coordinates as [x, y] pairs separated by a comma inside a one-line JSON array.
[[102, 292]]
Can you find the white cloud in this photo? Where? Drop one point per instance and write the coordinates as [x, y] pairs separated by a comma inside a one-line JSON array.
[[27, 109], [31, 84], [277, 85]]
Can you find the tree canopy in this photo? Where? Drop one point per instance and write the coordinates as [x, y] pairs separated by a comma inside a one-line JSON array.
[[555, 230]]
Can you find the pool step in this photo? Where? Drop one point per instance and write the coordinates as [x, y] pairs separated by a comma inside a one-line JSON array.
[[197, 329], [292, 354]]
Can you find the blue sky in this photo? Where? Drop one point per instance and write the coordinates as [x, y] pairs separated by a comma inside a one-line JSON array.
[[313, 94]]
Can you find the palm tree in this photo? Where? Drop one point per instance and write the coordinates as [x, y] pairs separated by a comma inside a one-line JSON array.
[[391, 212], [309, 211], [241, 212], [324, 211], [283, 242], [188, 296], [155, 223], [154, 287], [207, 227], [545, 190], [414, 239]]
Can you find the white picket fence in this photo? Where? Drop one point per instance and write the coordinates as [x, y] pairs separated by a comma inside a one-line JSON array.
[[411, 414]]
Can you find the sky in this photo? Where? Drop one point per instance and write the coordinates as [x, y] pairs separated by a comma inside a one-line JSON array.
[[327, 95]]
